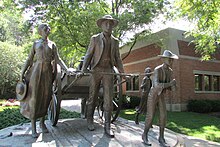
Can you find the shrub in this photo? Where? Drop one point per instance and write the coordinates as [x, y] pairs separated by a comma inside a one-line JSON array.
[[134, 101], [215, 105], [11, 116], [11, 59], [203, 106], [130, 102], [125, 102]]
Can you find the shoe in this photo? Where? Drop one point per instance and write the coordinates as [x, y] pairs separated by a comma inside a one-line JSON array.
[[107, 125], [109, 133], [90, 124], [163, 143], [145, 139]]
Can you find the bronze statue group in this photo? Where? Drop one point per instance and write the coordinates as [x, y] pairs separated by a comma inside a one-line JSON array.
[[34, 90]]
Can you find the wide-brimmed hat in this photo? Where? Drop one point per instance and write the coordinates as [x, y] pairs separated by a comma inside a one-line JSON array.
[[107, 17], [21, 90], [169, 54], [148, 71]]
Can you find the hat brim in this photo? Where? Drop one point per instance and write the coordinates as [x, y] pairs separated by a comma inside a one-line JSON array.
[[172, 57], [101, 20], [22, 96]]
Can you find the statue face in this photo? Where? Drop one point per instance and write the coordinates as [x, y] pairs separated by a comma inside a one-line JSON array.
[[107, 26], [45, 31], [168, 61]]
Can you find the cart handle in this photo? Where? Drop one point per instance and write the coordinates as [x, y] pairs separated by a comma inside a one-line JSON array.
[[105, 73]]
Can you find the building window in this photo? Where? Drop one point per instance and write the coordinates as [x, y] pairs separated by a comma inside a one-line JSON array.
[[198, 82], [132, 84], [215, 83], [128, 85], [207, 82], [136, 83]]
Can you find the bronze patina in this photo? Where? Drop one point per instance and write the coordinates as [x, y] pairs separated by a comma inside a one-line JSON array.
[[40, 76], [101, 56], [145, 88], [162, 82]]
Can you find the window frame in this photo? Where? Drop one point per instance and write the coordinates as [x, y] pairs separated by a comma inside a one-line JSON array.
[[203, 75]]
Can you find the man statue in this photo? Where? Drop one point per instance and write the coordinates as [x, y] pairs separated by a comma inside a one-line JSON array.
[[101, 56], [40, 76], [145, 87], [162, 81]]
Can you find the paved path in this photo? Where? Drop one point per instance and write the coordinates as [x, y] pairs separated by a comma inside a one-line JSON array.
[[74, 132]]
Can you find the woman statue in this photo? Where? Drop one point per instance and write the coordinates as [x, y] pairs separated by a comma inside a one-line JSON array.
[[40, 76], [145, 86]]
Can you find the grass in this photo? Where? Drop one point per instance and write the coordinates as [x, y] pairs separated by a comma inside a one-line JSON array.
[[10, 115], [188, 123]]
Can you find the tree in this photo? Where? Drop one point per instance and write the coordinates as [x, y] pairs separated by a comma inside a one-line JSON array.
[[205, 14], [12, 37], [73, 22], [12, 25], [11, 60]]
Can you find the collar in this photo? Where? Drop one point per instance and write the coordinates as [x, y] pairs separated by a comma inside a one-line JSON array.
[[103, 36], [165, 66]]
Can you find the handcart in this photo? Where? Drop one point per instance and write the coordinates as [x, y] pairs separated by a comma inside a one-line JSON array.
[[72, 87]]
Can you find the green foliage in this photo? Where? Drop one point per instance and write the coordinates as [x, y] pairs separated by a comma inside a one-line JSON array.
[[14, 39], [188, 123], [72, 27], [12, 24], [64, 114], [11, 60], [134, 101], [212, 137], [11, 116], [205, 14], [204, 106], [130, 102], [74, 22]]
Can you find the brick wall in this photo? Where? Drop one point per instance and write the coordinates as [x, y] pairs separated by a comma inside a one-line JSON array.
[[187, 81], [142, 53], [182, 69]]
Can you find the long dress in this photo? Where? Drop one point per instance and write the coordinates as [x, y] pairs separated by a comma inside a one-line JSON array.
[[40, 80], [145, 86]]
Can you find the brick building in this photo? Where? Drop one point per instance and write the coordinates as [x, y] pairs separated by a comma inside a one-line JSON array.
[[196, 79]]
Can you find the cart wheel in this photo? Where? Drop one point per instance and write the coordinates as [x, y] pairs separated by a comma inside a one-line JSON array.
[[117, 98], [54, 107]]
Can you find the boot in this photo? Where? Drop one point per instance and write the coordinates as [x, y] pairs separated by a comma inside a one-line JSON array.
[[161, 138], [145, 139], [162, 142], [107, 125], [90, 124]]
